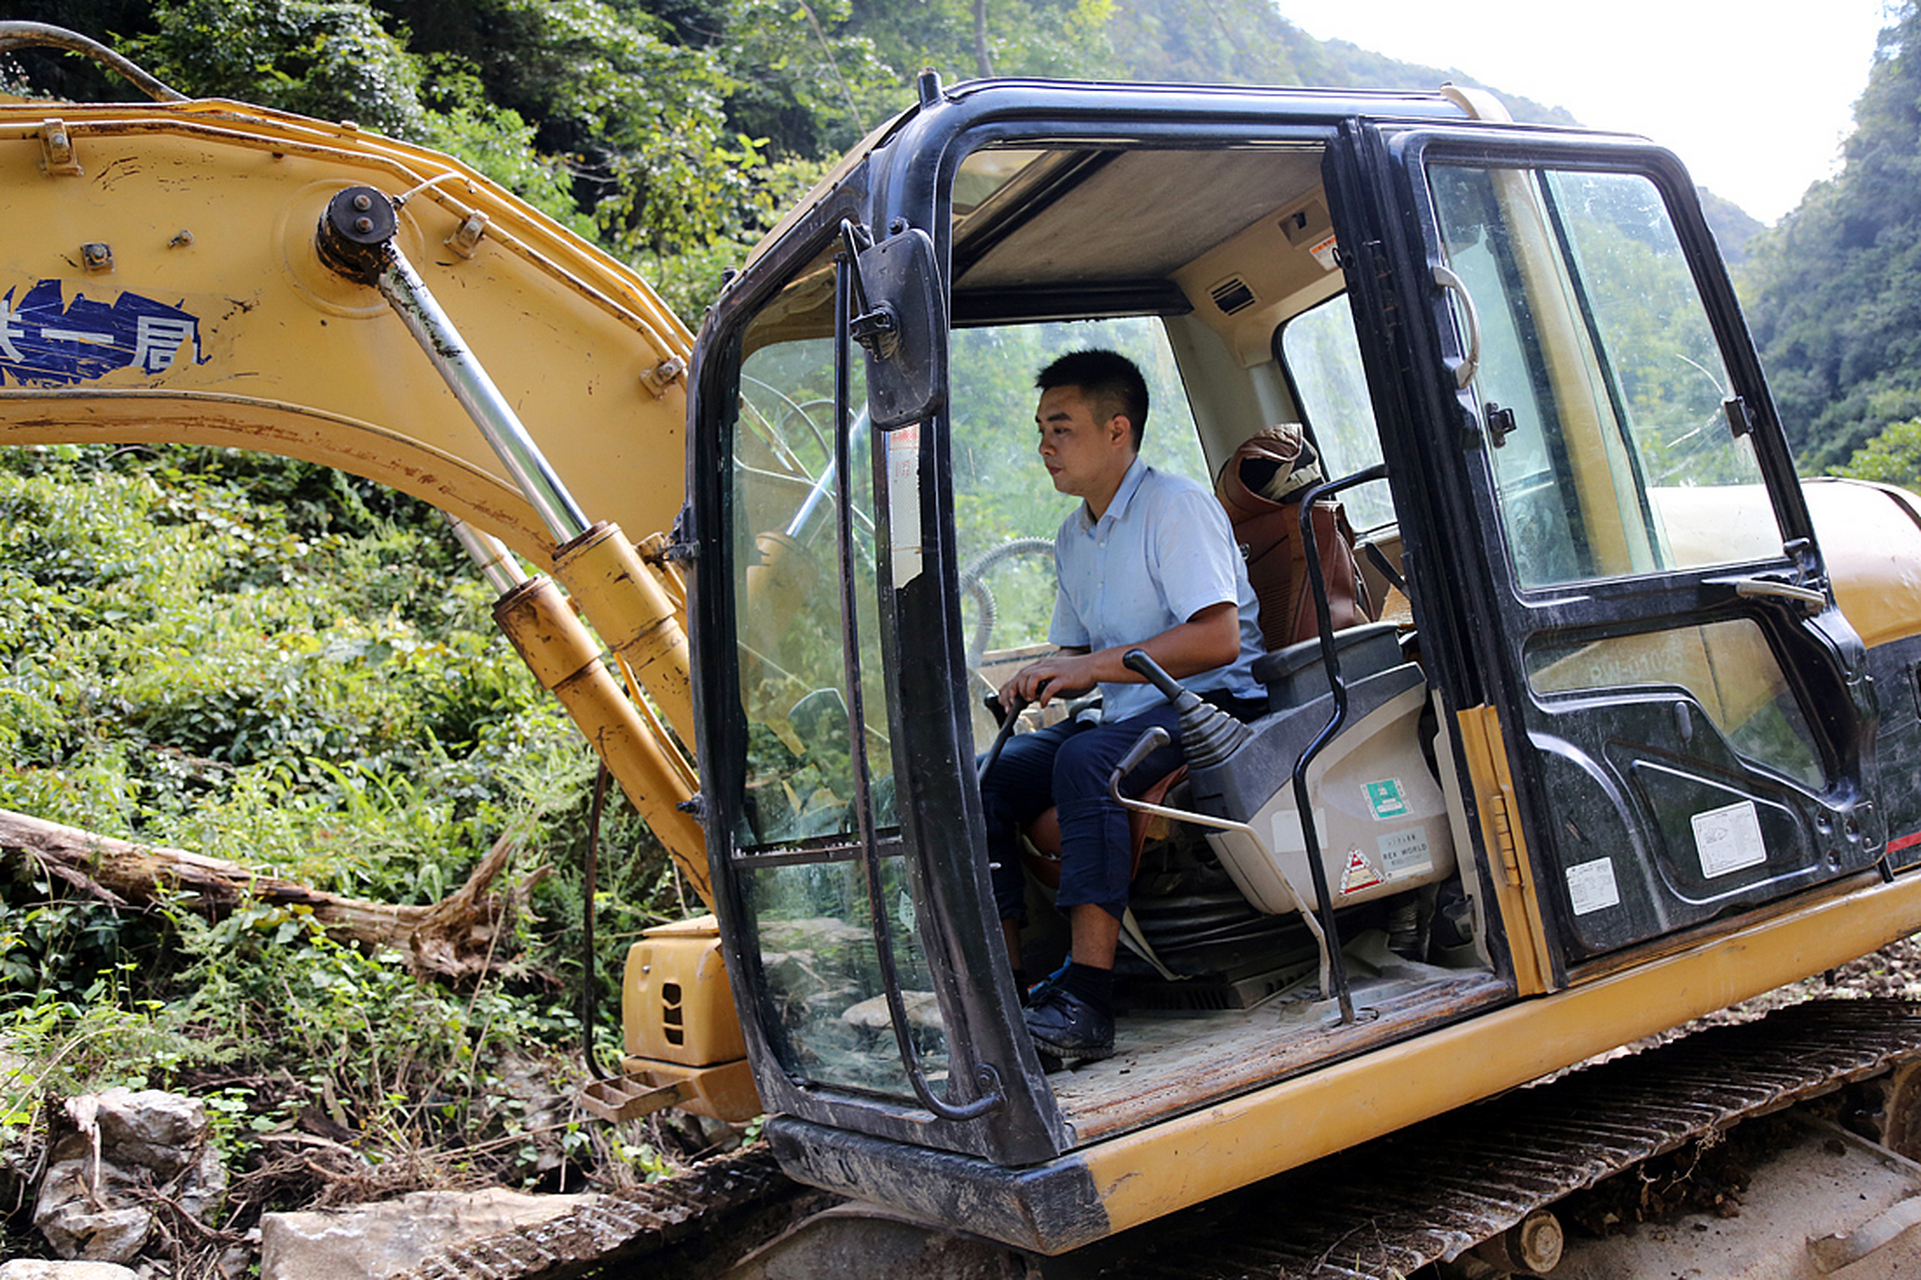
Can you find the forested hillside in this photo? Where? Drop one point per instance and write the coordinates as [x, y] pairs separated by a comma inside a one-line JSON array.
[[1834, 292], [673, 131]]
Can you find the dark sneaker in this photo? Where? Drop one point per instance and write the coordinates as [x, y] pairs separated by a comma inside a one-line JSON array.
[[1069, 1028], [1043, 991]]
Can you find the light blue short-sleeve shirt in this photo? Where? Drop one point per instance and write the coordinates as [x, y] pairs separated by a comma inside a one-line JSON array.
[[1161, 553]]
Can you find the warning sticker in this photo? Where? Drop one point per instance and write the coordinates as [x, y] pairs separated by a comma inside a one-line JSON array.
[[1360, 873], [1385, 799], [1404, 853], [1323, 252], [1729, 839], [1591, 887]]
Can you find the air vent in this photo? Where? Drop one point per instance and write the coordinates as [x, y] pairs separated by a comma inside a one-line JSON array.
[[1232, 294]]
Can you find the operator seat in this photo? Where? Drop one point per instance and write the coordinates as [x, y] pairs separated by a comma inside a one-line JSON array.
[[1041, 855], [1042, 835], [1261, 487]]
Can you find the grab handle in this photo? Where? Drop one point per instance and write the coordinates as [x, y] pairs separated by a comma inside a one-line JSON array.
[[1464, 370]]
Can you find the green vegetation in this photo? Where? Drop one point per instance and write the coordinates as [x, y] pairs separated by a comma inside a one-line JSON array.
[[275, 665], [674, 131], [1893, 456], [1834, 292]]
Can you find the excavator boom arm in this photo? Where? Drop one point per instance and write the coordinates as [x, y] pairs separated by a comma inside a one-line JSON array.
[[163, 283]]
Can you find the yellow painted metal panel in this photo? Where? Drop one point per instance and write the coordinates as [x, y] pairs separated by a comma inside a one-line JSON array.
[[1871, 539], [210, 207], [566, 660], [675, 983], [1513, 877], [1207, 1153]]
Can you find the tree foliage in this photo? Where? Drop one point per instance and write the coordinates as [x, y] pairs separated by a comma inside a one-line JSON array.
[[334, 61], [1248, 42], [1893, 456], [1835, 290], [672, 131], [1734, 228]]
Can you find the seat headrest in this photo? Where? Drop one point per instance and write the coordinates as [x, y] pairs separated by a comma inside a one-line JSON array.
[[1270, 468]]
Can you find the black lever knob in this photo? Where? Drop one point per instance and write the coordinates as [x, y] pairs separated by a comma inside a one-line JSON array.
[[1208, 734], [1149, 742], [1137, 661]]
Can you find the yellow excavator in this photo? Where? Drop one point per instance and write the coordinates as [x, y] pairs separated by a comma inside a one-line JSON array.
[[1631, 730]]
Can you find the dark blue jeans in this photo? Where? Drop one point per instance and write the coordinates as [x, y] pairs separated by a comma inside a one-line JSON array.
[[1066, 765]]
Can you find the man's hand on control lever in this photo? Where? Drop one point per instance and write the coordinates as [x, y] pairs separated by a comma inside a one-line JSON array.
[[1061, 674]]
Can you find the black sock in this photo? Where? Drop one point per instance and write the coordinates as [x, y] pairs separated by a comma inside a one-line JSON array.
[[1094, 986], [1020, 985]]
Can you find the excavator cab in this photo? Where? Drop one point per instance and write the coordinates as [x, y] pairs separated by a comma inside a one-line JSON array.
[[1615, 714]]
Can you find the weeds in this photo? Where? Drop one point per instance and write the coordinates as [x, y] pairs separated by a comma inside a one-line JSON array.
[[288, 669]]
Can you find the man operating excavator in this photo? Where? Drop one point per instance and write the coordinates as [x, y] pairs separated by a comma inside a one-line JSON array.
[[1147, 561]]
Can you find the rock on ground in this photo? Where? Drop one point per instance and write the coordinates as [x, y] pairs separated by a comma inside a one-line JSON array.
[[95, 1201], [369, 1242], [31, 1269]]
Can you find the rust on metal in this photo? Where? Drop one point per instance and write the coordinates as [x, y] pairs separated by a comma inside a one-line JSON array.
[[56, 151], [625, 1098]]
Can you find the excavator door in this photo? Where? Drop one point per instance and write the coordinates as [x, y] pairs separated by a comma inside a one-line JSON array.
[[1686, 712]]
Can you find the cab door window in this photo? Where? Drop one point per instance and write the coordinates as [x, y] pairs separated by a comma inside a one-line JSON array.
[[1322, 357], [1602, 384]]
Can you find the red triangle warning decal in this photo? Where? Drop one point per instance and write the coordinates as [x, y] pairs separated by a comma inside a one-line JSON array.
[[1360, 873]]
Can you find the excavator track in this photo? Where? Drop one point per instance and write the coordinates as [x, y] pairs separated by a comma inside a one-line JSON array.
[[1425, 1194], [741, 1193], [1432, 1191]]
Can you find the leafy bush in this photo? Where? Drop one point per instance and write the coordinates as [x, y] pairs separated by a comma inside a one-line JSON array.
[[1893, 456], [267, 663]]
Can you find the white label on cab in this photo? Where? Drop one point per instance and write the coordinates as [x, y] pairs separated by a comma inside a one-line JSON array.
[[1729, 839], [903, 503], [1404, 853], [1591, 887], [1287, 831]]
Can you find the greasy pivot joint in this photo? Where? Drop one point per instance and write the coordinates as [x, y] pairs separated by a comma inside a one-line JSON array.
[[353, 233]]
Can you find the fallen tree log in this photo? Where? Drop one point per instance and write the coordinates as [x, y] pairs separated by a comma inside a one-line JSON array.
[[462, 936]]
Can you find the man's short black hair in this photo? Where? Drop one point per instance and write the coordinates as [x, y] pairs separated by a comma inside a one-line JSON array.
[[1109, 382]]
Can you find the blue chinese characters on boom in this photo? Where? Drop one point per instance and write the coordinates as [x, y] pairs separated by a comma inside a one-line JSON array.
[[44, 342]]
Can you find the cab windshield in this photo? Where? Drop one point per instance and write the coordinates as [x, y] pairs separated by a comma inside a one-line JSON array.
[[818, 766]]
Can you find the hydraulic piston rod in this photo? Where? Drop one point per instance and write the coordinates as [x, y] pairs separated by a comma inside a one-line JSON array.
[[633, 605], [628, 601], [356, 240]]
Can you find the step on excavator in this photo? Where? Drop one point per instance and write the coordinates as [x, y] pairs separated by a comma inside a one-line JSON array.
[[1627, 727]]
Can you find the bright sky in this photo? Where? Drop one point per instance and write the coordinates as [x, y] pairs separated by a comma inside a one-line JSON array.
[[1754, 98]]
